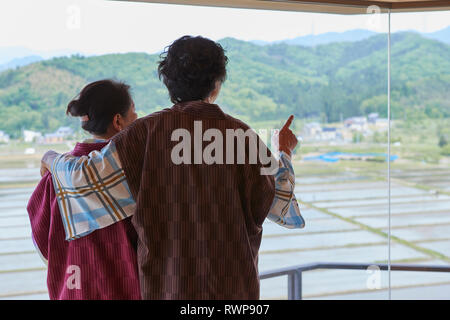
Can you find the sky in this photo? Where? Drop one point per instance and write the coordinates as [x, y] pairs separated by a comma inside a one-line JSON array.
[[102, 26]]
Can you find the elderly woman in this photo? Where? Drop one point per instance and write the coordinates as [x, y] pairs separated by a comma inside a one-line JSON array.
[[198, 217], [103, 264]]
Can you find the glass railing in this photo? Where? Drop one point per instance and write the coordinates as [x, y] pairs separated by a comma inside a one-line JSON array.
[[370, 95]]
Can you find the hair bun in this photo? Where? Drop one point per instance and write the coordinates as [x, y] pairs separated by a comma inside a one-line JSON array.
[[75, 108]]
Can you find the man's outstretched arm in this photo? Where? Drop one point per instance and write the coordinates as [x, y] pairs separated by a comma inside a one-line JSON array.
[[285, 210]]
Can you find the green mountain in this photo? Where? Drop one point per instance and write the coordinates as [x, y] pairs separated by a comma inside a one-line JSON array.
[[264, 82]]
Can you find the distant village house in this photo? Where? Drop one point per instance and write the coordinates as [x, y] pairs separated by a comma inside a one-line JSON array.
[[359, 124], [31, 136], [4, 138], [59, 136]]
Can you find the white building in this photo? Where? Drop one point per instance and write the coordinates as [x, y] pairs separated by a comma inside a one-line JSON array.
[[329, 134], [358, 124], [59, 136], [312, 131], [64, 131], [4, 138], [373, 117], [52, 138], [30, 136]]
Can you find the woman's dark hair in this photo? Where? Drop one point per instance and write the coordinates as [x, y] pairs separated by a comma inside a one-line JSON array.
[[190, 67], [101, 101]]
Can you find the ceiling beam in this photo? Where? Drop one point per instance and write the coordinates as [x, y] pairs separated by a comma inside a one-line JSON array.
[[324, 6]]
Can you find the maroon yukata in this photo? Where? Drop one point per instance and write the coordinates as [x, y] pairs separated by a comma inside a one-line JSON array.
[[105, 259]]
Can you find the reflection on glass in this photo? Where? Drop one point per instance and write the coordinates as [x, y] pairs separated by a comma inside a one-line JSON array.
[[420, 137], [341, 99]]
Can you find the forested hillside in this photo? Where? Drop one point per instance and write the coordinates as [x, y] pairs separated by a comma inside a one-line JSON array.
[[264, 82]]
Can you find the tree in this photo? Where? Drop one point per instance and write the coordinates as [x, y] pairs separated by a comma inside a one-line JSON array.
[[443, 141]]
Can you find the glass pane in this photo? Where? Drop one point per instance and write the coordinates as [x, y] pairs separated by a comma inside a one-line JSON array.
[[330, 71], [338, 90], [421, 141]]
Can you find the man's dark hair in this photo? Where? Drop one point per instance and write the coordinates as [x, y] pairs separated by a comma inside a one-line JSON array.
[[101, 101], [190, 67]]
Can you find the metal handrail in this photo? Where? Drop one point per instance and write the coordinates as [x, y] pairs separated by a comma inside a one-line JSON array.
[[295, 273]]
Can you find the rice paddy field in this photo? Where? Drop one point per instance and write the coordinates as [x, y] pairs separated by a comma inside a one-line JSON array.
[[345, 206], [346, 212]]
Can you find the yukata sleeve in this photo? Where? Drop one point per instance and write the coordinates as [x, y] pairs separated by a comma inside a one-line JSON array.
[[39, 211], [285, 210]]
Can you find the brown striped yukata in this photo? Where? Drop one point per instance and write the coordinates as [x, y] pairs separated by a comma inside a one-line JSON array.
[[199, 225]]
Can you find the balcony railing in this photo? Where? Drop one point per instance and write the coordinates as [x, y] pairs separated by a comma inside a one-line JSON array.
[[295, 273]]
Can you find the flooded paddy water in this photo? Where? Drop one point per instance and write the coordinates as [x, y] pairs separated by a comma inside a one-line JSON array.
[[346, 221]]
